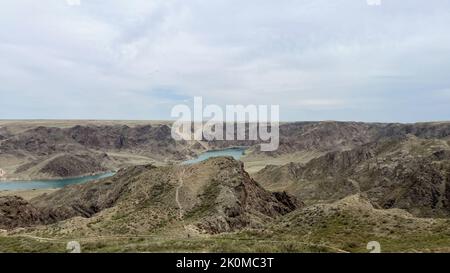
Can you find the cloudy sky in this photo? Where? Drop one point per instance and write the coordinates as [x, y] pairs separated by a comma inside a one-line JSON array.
[[136, 59]]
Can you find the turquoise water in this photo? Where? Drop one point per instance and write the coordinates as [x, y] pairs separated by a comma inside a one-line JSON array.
[[236, 153], [49, 184]]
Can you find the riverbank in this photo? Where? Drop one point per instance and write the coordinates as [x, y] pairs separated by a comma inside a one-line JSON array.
[[50, 178], [17, 185], [235, 152], [50, 184]]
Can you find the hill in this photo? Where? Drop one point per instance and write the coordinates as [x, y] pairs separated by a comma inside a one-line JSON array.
[[408, 173], [214, 196]]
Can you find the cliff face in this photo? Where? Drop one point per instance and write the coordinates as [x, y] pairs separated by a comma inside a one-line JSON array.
[[326, 136], [53, 152], [50, 140]]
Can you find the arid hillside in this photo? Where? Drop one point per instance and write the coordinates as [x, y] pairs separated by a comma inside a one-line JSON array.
[[409, 173], [214, 196], [40, 149]]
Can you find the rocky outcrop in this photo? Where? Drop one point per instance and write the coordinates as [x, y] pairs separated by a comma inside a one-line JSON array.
[[51, 140], [409, 173], [329, 136], [74, 151], [236, 201], [155, 141], [85, 200], [216, 196], [16, 212], [298, 136], [75, 165]]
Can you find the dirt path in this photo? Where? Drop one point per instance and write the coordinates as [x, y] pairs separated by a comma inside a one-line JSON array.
[[177, 194]]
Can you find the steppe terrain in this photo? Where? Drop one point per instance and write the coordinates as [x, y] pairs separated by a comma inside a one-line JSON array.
[[330, 187]]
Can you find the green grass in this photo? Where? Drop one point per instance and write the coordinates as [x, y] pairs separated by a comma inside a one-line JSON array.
[[28, 245], [348, 231], [208, 199], [337, 234]]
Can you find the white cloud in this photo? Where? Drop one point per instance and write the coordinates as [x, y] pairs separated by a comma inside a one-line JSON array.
[[320, 103], [73, 2], [313, 55]]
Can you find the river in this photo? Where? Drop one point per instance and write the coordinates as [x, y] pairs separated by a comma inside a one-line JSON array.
[[49, 184], [236, 153]]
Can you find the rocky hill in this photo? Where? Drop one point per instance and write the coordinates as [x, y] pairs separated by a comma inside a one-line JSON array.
[[16, 212], [21, 149], [50, 140], [46, 152], [329, 136], [408, 173], [213, 197], [349, 224], [357, 182]]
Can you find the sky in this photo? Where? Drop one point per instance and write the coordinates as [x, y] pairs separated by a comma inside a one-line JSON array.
[[136, 59]]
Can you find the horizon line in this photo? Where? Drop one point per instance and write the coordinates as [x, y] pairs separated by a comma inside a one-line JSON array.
[[173, 120]]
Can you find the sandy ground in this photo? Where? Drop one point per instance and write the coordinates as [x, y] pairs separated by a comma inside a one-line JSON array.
[[255, 162], [26, 194]]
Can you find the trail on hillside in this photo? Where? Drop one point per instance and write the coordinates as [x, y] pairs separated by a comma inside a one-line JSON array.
[[189, 229], [177, 194]]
